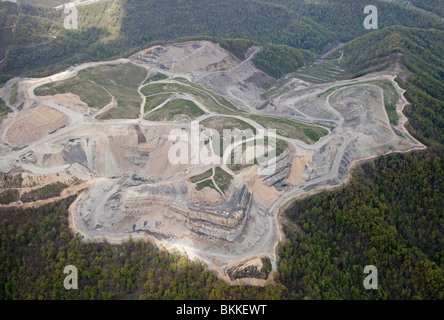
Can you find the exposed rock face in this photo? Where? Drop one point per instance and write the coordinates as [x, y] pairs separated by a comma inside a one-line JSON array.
[[186, 57], [283, 169], [226, 221], [258, 268]]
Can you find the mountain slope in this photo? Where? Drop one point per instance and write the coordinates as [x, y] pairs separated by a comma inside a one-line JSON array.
[[422, 53]]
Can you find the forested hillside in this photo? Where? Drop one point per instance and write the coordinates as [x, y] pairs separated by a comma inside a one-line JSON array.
[[33, 41], [434, 6], [390, 215], [345, 17], [277, 60]]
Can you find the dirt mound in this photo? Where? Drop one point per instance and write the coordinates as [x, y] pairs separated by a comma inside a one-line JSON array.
[[298, 168], [187, 57], [35, 123], [205, 197], [71, 101]]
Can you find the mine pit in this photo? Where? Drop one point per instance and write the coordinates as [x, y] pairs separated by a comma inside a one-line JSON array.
[[224, 214]]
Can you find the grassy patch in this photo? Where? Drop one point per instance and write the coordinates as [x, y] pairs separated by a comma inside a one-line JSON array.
[[221, 123], [202, 176], [223, 179], [209, 95], [156, 77], [154, 101], [211, 101], [89, 92], [326, 93], [9, 196], [206, 183], [391, 98], [281, 146], [47, 192], [174, 109], [8, 181], [4, 110], [93, 84], [291, 129], [14, 93]]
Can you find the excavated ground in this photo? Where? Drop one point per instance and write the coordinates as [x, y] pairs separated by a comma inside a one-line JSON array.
[[226, 218]]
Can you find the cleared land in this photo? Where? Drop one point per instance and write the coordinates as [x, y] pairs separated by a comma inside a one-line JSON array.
[[97, 86], [225, 213], [391, 97]]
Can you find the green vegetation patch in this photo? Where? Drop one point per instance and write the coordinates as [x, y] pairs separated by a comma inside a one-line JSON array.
[[11, 180], [4, 109], [292, 129], [14, 94], [206, 183], [210, 95], [202, 176], [239, 271], [222, 178], [177, 108], [333, 89], [47, 192], [88, 91], [155, 100], [221, 123], [281, 146], [238, 47], [156, 77], [96, 87], [277, 60], [9, 196], [391, 98], [212, 101]]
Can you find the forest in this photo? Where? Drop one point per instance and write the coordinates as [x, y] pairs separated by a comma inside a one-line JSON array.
[[390, 215], [38, 44]]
